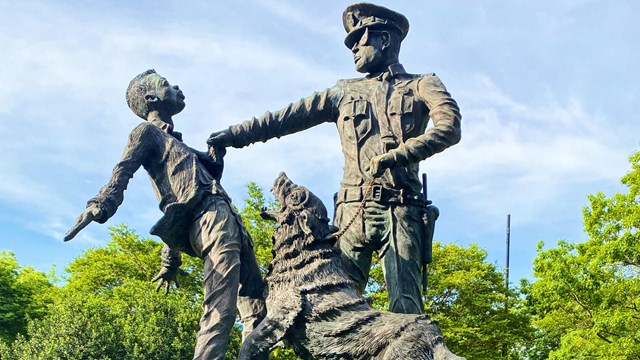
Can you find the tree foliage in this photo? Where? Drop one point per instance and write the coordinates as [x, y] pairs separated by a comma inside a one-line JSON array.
[[586, 298], [126, 257], [130, 322], [467, 295], [480, 317], [260, 229], [108, 308], [24, 294]]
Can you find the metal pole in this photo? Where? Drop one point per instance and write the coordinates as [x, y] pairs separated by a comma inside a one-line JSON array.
[[505, 352], [506, 280]]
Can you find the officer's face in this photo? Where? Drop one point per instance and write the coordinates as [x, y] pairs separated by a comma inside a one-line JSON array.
[[367, 52]]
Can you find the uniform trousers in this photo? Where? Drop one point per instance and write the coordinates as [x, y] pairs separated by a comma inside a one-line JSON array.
[[395, 232]]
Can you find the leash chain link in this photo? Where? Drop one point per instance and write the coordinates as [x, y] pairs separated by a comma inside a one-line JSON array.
[[353, 219]]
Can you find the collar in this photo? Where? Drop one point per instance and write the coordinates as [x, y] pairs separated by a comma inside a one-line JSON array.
[[395, 69], [392, 71], [168, 128]]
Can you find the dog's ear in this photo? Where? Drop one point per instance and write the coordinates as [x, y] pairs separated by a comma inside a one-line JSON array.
[[306, 219]]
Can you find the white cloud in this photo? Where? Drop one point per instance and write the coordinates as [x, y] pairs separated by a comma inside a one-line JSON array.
[[304, 18], [525, 156]]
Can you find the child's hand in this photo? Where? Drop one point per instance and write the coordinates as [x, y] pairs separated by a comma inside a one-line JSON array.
[[166, 276], [89, 214]]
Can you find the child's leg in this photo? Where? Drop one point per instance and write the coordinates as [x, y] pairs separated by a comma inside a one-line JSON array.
[[217, 234], [251, 305]]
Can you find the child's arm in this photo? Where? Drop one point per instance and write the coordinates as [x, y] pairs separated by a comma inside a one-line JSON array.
[[105, 204]]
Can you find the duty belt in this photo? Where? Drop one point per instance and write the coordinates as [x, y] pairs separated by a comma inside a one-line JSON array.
[[379, 194]]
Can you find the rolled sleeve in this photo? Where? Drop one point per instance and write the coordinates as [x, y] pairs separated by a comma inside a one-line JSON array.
[[446, 118]]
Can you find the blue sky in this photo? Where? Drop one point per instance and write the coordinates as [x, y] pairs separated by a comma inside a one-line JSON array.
[[548, 92]]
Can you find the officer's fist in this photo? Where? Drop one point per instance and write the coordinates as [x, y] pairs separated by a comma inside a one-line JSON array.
[[380, 163], [220, 139]]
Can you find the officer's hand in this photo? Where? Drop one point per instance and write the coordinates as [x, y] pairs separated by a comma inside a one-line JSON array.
[[220, 139], [217, 153], [166, 276], [380, 163], [88, 215]]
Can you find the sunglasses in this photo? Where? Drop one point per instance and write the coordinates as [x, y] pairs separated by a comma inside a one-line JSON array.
[[364, 39]]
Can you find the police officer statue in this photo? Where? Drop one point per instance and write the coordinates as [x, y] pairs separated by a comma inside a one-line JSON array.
[[382, 122]]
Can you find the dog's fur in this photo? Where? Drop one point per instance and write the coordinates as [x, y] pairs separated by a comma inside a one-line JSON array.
[[314, 307]]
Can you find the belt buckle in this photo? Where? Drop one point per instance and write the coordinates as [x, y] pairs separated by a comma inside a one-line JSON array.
[[376, 192]]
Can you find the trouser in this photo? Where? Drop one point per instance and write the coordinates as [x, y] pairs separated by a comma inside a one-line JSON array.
[[232, 278], [394, 231]]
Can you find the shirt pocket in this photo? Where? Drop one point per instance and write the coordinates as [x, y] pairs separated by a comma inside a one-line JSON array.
[[355, 118], [401, 108]]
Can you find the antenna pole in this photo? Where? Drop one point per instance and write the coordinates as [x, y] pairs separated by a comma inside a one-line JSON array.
[[506, 280]]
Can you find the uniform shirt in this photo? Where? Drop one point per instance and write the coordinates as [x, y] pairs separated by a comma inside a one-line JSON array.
[[181, 178], [374, 115]]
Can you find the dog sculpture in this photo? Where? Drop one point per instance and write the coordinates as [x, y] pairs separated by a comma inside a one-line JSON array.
[[314, 307]]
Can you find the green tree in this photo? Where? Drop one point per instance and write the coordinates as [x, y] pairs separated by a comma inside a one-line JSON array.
[[586, 297], [260, 230], [131, 322], [25, 294], [109, 310], [467, 295]]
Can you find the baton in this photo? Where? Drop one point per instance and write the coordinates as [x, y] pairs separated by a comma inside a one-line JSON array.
[[425, 266]]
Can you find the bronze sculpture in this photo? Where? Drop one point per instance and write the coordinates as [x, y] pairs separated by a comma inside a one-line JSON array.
[[314, 307], [198, 217], [382, 122]]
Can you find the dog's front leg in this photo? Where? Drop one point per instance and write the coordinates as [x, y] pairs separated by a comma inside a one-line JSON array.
[[261, 339]]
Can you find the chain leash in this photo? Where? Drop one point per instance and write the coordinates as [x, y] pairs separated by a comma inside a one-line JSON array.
[[358, 211]]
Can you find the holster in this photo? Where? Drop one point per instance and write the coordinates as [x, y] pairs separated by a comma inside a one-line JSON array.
[[430, 215], [429, 218]]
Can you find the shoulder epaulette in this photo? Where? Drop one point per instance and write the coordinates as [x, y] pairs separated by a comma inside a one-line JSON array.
[[349, 81], [425, 75]]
